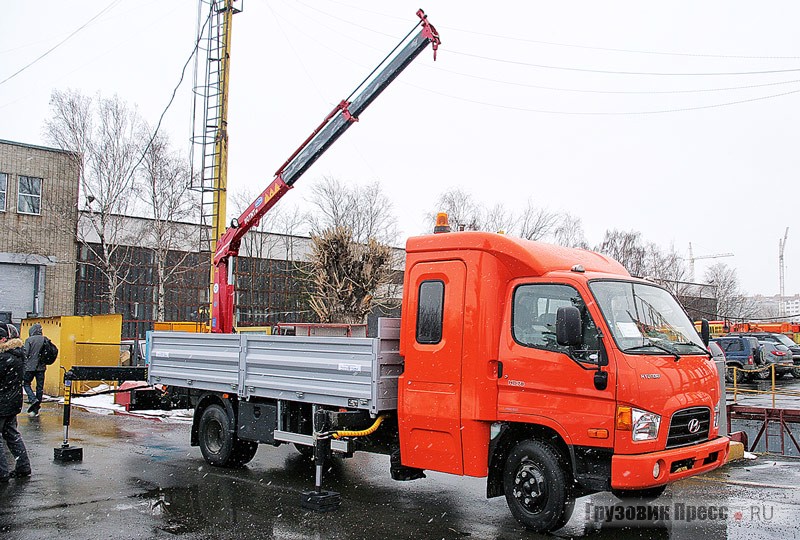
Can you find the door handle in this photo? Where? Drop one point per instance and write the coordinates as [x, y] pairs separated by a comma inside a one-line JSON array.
[[499, 369]]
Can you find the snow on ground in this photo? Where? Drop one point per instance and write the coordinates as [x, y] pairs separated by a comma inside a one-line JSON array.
[[104, 404]]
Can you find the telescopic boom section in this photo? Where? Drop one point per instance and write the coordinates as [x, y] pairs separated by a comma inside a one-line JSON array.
[[334, 125]]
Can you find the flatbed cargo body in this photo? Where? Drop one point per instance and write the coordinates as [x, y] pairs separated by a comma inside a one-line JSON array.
[[357, 373]]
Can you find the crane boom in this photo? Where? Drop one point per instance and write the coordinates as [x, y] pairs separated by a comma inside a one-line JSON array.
[[331, 128]]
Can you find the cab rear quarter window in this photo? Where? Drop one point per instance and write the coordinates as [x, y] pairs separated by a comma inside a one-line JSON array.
[[430, 312]]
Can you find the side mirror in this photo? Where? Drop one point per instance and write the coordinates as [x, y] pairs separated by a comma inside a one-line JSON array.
[[601, 380], [705, 331], [568, 326]]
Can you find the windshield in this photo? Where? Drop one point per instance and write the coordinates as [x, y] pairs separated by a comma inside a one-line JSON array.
[[645, 319]]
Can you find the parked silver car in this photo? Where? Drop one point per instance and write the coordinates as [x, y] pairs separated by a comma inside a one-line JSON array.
[[777, 354]]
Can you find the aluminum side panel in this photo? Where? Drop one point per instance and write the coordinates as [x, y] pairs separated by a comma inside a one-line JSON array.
[[204, 361], [326, 371]]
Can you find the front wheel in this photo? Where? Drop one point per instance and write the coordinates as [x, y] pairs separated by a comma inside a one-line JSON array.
[[796, 373], [537, 487], [649, 494]]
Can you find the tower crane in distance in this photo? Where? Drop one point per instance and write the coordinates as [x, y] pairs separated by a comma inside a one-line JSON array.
[[692, 258]]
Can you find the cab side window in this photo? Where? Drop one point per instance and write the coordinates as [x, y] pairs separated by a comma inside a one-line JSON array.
[[430, 312], [534, 318]]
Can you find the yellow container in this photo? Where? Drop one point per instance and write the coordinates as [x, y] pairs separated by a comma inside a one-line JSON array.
[[181, 326], [90, 340]]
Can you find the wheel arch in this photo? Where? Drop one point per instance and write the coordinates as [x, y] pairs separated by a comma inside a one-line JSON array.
[[512, 433], [207, 399]]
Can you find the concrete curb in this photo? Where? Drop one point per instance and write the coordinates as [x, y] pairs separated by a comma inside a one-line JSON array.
[[735, 451]]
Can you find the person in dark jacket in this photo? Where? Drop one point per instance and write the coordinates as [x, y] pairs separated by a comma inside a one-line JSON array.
[[34, 368], [12, 369]]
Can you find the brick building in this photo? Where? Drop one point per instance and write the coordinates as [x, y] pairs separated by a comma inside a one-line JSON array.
[[38, 219]]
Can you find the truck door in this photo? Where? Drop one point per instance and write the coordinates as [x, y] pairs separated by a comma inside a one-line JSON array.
[[546, 383], [429, 392]]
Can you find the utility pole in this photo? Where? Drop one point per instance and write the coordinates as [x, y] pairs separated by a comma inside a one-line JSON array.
[[781, 247]]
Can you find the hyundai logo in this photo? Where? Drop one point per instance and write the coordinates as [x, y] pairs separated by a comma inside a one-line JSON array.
[[694, 425]]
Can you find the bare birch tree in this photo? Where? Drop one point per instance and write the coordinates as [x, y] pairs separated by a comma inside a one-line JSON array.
[[165, 189], [732, 302], [461, 209], [569, 232], [102, 132], [351, 268], [365, 210], [531, 223], [536, 223]]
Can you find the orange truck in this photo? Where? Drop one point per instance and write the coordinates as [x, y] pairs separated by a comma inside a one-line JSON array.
[[547, 370], [550, 371]]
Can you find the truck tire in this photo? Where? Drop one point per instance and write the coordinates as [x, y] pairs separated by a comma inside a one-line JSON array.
[[243, 453], [741, 376], [645, 495], [218, 443], [537, 486]]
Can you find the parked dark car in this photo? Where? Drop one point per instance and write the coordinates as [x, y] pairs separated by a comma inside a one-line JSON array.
[[783, 340], [780, 355], [743, 353]]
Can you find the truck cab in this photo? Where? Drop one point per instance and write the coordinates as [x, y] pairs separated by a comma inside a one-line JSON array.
[[552, 372]]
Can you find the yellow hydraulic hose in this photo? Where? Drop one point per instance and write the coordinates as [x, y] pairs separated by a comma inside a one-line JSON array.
[[363, 433]]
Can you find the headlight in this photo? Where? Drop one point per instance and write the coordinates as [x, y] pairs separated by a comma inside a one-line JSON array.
[[716, 416], [645, 425]]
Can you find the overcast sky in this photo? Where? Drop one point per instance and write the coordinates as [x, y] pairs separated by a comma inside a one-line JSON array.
[[676, 119]]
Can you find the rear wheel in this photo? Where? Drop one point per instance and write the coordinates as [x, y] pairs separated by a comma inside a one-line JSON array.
[[796, 373], [537, 487], [741, 376], [649, 494], [243, 453], [218, 443]]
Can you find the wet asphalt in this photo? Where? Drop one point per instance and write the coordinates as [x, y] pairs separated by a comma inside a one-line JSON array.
[[139, 478]]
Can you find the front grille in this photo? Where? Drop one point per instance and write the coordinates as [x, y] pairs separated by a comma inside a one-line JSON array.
[[679, 434]]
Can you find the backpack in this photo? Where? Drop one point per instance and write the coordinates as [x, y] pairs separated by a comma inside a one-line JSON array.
[[48, 353]]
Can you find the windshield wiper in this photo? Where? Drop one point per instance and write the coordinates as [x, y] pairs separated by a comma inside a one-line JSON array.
[[656, 346], [696, 346]]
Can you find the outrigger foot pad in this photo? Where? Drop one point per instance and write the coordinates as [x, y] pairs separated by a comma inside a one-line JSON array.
[[67, 453], [320, 501]]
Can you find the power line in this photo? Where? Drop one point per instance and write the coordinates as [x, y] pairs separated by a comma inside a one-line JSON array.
[[613, 72], [345, 20], [57, 45], [630, 51], [602, 113], [172, 98], [588, 91], [572, 113], [568, 45]]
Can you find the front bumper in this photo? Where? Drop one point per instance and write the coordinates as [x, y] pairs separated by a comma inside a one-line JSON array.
[[636, 471]]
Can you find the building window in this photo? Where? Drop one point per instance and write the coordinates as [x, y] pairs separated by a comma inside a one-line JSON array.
[[430, 312], [3, 190], [29, 200]]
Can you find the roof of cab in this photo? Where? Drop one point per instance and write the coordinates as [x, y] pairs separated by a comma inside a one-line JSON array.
[[536, 258]]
